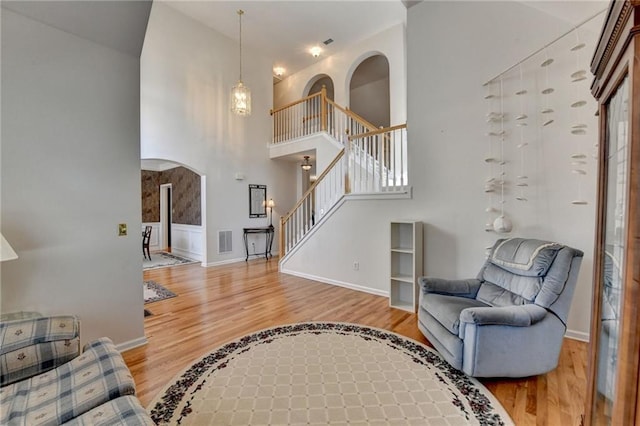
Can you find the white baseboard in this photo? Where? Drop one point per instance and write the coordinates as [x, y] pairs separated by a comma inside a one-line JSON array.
[[577, 335], [225, 262], [186, 253], [131, 344], [350, 286]]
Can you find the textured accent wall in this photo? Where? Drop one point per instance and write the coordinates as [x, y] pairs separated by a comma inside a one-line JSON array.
[[150, 196], [186, 197]]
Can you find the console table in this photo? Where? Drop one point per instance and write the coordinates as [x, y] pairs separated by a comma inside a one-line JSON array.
[[268, 231]]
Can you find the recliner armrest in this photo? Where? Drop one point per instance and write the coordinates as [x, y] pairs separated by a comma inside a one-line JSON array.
[[516, 316], [36, 345], [463, 288]]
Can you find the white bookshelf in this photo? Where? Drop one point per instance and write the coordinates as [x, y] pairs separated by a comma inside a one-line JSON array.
[[406, 264]]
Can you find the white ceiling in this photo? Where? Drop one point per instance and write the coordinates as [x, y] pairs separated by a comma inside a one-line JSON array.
[[286, 30], [282, 30], [573, 12]]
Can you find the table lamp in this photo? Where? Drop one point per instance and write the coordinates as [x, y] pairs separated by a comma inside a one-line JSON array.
[[271, 205]]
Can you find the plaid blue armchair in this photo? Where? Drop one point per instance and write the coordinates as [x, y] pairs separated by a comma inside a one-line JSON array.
[[44, 379], [510, 320]]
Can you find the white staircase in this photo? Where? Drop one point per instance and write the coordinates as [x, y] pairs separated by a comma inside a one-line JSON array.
[[369, 160]]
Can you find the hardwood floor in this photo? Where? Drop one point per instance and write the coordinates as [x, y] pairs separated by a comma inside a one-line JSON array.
[[218, 304]]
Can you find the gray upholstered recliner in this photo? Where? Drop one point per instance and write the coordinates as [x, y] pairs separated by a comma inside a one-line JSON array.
[[511, 319]]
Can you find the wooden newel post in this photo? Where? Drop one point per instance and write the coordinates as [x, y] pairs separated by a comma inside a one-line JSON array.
[[323, 107], [281, 238], [347, 154]]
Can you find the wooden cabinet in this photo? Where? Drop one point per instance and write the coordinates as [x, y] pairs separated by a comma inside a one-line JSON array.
[[406, 264], [614, 349]]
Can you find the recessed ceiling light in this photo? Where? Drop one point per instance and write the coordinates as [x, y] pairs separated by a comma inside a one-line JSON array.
[[279, 71], [315, 51]]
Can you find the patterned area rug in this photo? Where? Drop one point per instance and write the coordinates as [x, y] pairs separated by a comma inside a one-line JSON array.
[[154, 292], [163, 259], [325, 373]]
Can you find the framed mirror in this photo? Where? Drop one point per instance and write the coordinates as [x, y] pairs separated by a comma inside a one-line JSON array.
[[257, 201]]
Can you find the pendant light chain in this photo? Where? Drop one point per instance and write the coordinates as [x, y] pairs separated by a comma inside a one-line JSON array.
[[240, 13]]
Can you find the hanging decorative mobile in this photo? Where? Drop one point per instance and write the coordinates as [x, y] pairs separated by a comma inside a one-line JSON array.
[[502, 224], [547, 90], [530, 107], [522, 177], [578, 159], [492, 119]]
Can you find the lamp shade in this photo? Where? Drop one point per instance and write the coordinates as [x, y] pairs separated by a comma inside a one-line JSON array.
[[6, 251], [271, 204]]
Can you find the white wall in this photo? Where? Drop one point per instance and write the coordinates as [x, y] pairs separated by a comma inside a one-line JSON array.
[[363, 231], [452, 49], [446, 128], [340, 67], [187, 71], [70, 175], [365, 102]]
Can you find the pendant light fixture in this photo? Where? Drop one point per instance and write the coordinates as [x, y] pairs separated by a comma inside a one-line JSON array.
[[241, 94], [306, 166]]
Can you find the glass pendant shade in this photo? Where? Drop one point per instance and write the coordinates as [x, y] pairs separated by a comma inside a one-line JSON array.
[[241, 99], [306, 166]]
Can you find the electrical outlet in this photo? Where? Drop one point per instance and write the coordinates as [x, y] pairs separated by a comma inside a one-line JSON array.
[[122, 229], [356, 266]]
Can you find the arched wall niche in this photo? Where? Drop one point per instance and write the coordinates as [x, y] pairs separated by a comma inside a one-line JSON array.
[[368, 88]]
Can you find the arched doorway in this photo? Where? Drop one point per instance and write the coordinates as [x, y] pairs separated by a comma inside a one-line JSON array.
[[369, 90], [173, 205], [316, 83]]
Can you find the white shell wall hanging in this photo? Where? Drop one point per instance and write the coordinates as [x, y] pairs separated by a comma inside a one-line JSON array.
[[521, 179], [502, 224], [547, 91], [579, 128], [492, 118], [541, 111]]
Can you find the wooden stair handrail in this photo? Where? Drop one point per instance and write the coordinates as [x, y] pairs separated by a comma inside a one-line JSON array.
[[285, 218], [327, 169], [299, 101], [353, 115], [378, 132]]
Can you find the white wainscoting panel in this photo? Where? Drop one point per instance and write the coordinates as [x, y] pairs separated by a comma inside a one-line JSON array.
[[186, 240]]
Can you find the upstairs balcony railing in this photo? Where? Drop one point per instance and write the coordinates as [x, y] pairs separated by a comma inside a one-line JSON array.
[[316, 113]]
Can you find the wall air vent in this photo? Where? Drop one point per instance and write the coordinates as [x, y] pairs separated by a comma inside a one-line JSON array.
[[225, 239], [328, 41]]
